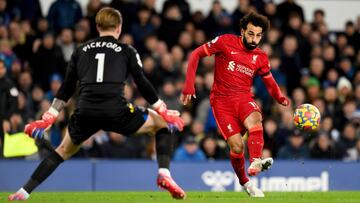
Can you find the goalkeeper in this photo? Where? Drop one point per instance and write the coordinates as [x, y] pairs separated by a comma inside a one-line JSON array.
[[101, 67]]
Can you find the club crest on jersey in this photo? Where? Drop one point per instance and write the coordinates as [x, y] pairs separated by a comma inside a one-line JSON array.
[[230, 129], [254, 59]]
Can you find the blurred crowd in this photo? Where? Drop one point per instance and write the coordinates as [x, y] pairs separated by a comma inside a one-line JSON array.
[[311, 64]]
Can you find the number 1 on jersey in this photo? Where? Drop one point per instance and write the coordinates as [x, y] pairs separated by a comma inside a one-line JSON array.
[[100, 67]]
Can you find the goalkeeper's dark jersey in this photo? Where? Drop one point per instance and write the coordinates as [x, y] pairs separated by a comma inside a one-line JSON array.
[[102, 66]]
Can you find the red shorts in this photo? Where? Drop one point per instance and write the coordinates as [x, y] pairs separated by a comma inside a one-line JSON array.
[[230, 113]]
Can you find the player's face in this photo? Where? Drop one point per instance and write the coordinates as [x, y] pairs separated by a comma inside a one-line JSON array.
[[252, 36]]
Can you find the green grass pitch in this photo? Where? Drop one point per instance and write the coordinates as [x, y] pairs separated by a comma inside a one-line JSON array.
[[201, 197]]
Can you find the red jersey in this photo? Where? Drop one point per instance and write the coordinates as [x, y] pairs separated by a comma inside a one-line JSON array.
[[235, 66]]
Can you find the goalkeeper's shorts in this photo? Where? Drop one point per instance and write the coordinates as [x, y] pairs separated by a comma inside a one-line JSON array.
[[84, 123]]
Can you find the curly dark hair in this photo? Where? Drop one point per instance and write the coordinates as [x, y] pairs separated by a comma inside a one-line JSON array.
[[257, 20]]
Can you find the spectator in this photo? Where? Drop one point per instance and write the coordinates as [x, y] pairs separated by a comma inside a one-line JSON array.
[[66, 43], [241, 10], [312, 89], [209, 145], [189, 151], [28, 10], [319, 19], [271, 138], [348, 109], [55, 83], [7, 55], [8, 102], [327, 126], [92, 8], [295, 149], [323, 148], [347, 141], [218, 21], [169, 95], [80, 36], [171, 26], [331, 79], [4, 15], [142, 28], [64, 14], [21, 42], [353, 36], [47, 60], [288, 7], [344, 88], [290, 62], [298, 97]]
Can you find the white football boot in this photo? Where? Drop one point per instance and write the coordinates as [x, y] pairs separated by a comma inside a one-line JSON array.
[[252, 191], [259, 165]]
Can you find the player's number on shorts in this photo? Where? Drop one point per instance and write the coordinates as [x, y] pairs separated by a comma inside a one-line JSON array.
[[100, 67]]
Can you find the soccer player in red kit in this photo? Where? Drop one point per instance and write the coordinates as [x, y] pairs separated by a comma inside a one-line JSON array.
[[237, 61]]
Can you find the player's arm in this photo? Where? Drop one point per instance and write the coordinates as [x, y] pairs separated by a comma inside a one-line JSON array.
[[274, 89], [36, 129], [207, 49], [147, 90], [189, 87]]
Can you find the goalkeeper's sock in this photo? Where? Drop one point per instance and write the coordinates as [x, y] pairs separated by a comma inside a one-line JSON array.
[[238, 163], [164, 147], [44, 170], [255, 142]]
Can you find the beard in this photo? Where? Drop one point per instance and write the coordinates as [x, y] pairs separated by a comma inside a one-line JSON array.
[[249, 46]]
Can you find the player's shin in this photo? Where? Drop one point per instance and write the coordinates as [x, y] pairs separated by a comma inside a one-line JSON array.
[[164, 146], [44, 170], [255, 142], [238, 164]]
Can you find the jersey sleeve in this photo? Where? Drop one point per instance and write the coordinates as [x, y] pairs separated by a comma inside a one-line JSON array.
[[214, 46], [265, 67], [68, 87], [135, 67]]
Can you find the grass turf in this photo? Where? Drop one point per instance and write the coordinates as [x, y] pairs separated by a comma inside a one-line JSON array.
[[201, 197]]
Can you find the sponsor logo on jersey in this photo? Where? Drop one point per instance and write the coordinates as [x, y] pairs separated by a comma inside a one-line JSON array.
[[232, 66]]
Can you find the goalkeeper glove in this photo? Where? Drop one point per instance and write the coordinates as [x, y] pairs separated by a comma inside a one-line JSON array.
[[172, 117], [37, 128]]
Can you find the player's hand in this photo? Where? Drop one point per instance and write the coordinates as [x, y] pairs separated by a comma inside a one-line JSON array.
[[37, 128], [186, 98], [172, 117], [284, 101]]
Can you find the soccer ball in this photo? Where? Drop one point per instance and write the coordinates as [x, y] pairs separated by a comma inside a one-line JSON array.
[[307, 117]]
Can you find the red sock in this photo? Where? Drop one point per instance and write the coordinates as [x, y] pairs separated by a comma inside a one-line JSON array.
[[255, 142], [238, 163]]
